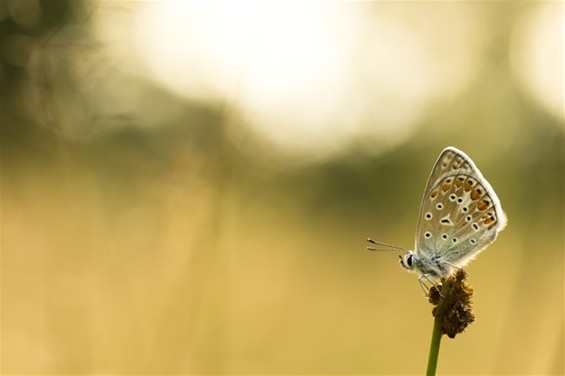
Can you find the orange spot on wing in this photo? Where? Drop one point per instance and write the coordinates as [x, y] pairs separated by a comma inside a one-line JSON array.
[[488, 220], [434, 193], [458, 182], [445, 187], [475, 195], [468, 186], [483, 205]]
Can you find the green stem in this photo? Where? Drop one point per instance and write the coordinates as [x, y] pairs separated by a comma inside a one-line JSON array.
[[434, 347]]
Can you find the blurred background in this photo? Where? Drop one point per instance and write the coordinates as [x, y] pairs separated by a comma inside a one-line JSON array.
[[187, 186]]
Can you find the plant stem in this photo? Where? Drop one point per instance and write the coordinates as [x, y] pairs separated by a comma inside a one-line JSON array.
[[434, 347]]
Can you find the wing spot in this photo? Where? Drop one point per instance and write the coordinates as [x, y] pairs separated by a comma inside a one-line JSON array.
[[429, 216], [465, 209], [427, 234], [475, 227], [475, 194], [468, 185], [468, 218], [473, 241], [488, 219], [439, 206], [444, 236], [452, 197], [445, 187], [446, 221], [483, 205], [454, 240], [433, 194]]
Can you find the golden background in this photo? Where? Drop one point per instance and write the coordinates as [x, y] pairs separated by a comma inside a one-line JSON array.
[[186, 188]]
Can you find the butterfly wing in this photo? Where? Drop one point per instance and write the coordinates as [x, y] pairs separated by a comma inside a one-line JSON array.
[[460, 212]]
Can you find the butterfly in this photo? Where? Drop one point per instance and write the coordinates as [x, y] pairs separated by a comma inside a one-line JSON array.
[[460, 215]]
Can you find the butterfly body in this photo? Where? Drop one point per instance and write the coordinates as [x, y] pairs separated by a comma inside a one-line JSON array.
[[433, 267], [459, 216]]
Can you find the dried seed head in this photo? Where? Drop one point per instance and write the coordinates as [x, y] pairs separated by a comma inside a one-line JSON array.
[[452, 302], [434, 294]]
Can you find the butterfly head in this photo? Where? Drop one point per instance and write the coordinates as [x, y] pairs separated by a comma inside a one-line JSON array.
[[407, 261]]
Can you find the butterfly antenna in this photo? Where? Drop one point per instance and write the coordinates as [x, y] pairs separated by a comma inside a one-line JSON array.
[[388, 247]]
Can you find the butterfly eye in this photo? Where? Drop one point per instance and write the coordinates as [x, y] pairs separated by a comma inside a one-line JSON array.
[[409, 260]]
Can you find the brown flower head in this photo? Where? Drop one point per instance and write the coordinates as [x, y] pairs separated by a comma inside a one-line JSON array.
[[452, 303]]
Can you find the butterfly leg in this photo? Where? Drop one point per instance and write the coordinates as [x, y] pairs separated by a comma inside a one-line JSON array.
[[424, 287], [427, 277]]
